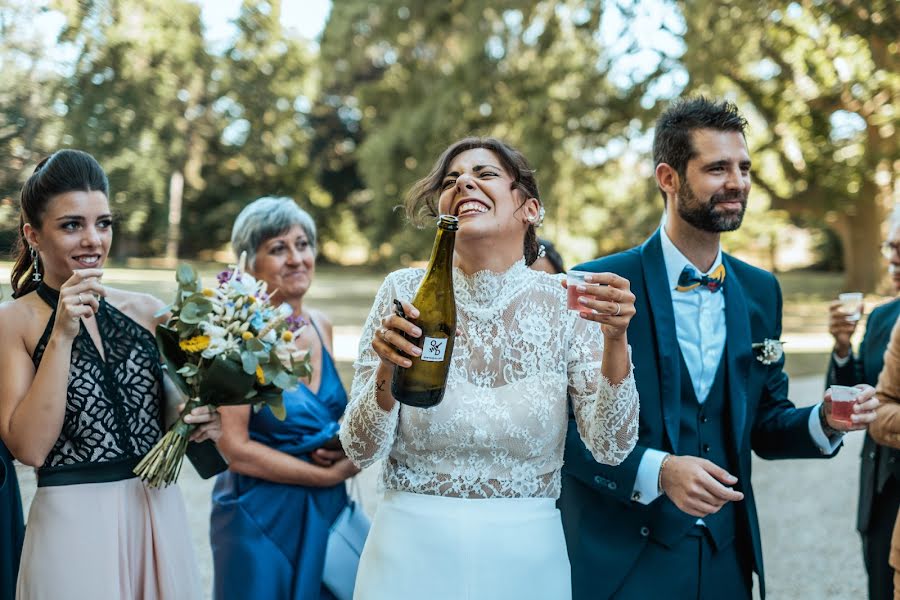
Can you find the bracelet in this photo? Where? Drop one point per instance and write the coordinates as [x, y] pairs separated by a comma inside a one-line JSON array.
[[827, 429], [662, 466]]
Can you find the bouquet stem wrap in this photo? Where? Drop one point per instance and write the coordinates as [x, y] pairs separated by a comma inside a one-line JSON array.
[[162, 465]]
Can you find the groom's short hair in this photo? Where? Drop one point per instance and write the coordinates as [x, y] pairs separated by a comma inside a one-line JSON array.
[[672, 141]]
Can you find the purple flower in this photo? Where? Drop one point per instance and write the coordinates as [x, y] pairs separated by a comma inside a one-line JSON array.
[[295, 323], [224, 276]]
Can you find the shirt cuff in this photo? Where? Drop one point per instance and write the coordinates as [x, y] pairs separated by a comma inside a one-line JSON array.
[[818, 436], [841, 362], [646, 484]]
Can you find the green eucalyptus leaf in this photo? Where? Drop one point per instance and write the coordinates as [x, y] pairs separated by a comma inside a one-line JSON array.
[[285, 381], [193, 312], [255, 345], [277, 408], [185, 275], [249, 362], [301, 368]]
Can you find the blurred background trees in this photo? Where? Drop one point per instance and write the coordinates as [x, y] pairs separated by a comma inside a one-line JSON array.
[[190, 130]]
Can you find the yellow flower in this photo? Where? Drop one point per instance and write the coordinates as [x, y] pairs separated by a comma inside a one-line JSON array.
[[208, 292], [195, 344], [247, 335], [259, 375], [287, 336]]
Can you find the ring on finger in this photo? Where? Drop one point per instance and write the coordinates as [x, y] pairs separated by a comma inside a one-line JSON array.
[[618, 310], [80, 299]]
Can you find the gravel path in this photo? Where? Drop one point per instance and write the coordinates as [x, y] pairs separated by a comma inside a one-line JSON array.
[[807, 511]]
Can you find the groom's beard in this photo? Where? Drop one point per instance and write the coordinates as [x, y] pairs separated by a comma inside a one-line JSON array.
[[704, 216]]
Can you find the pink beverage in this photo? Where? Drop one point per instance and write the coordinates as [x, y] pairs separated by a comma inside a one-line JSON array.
[[573, 280], [574, 295], [841, 411], [842, 400]]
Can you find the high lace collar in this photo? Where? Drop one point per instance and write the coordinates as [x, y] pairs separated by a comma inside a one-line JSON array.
[[483, 288]]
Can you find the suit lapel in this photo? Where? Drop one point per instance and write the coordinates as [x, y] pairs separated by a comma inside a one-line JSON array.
[[659, 296], [738, 350]]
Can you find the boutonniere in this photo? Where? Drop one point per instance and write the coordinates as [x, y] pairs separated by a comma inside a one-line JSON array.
[[768, 351]]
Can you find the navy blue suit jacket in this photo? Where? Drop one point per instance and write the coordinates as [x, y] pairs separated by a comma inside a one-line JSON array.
[[605, 529], [865, 367], [12, 528]]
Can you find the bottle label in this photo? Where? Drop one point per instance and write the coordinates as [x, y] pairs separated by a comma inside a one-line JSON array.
[[434, 348]]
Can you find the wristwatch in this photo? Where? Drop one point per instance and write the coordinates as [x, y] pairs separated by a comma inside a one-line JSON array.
[[829, 431]]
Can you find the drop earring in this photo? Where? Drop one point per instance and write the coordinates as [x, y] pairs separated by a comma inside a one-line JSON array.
[[36, 274]]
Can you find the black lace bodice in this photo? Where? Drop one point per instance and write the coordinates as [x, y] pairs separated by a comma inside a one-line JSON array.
[[112, 405]]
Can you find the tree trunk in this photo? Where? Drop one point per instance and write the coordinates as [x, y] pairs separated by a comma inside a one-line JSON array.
[[176, 193], [860, 233]]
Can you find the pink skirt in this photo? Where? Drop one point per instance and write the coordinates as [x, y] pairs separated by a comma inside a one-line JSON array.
[[108, 541]]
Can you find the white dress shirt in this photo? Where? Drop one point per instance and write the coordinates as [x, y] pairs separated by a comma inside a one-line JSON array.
[[700, 329]]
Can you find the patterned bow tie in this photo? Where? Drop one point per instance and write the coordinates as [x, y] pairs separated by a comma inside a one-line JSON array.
[[689, 280]]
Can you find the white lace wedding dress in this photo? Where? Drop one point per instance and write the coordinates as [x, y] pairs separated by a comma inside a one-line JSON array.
[[471, 483]]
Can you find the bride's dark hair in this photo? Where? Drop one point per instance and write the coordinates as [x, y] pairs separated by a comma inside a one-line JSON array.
[[422, 198]]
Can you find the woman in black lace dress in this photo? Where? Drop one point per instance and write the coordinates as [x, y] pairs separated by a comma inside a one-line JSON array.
[[81, 402]]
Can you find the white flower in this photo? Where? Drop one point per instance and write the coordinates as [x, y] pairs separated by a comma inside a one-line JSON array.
[[220, 341], [768, 351]]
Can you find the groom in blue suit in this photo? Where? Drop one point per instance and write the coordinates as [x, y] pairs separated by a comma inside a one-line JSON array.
[[678, 519]]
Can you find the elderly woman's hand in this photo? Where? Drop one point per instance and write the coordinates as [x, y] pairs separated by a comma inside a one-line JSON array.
[[325, 457], [339, 471], [207, 419], [607, 299]]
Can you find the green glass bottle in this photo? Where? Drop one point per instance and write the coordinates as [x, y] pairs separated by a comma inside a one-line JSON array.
[[422, 384]]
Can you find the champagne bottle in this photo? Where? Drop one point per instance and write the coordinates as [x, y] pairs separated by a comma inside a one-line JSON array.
[[422, 384]]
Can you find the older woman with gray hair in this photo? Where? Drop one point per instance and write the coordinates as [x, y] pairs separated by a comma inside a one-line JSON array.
[[273, 508]]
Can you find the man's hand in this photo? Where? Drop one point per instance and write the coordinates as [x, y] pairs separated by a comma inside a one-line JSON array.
[[840, 329], [697, 486]]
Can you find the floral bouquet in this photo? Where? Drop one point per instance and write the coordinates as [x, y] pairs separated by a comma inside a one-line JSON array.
[[223, 346]]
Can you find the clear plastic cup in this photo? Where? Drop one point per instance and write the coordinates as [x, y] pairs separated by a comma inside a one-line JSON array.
[[842, 400], [851, 305], [573, 280]]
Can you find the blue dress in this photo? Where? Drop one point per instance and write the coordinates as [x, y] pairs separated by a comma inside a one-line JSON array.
[[12, 527], [268, 539]]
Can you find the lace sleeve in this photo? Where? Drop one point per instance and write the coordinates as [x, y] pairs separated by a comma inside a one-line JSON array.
[[367, 431], [606, 414]]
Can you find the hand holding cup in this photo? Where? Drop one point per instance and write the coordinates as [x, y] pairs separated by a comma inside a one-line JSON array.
[[79, 298], [605, 298], [850, 408]]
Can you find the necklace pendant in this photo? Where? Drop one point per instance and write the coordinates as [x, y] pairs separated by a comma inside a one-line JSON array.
[[36, 276]]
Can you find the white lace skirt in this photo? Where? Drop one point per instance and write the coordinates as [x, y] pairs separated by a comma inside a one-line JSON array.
[[423, 546]]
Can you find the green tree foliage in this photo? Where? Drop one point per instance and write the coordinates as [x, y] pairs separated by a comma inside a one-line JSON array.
[[575, 84], [406, 79], [149, 97], [822, 80], [28, 117], [137, 101], [261, 87]]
